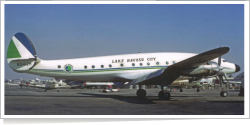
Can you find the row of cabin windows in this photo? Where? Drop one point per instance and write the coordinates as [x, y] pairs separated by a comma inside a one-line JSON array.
[[110, 66]]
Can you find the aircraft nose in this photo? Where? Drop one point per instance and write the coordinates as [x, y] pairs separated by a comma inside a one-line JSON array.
[[237, 68]]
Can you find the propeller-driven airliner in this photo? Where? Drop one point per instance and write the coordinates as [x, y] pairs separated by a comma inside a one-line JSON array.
[[140, 69]]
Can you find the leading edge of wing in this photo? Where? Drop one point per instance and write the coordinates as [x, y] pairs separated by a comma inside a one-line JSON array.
[[169, 74], [201, 58]]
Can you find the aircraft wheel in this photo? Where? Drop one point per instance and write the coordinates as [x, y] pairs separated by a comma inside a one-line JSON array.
[[164, 95], [198, 90], [223, 94], [181, 90], [141, 94], [161, 95]]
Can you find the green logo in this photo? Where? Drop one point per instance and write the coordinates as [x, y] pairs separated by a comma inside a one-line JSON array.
[[68, 68]]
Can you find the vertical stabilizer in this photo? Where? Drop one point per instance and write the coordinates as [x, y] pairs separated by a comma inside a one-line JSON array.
[[21, 54]]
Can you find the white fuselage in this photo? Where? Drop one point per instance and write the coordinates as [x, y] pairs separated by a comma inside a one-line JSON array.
[[117, 68]]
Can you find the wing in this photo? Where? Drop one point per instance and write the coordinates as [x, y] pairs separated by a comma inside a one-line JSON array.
[[167, 75]]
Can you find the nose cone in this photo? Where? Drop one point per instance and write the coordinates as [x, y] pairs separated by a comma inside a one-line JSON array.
[[237, 68]]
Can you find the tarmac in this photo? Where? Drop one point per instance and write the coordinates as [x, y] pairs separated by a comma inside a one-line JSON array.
[[124, 102]]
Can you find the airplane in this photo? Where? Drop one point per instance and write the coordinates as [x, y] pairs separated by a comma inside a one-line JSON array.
[[137, 69], [37, 80], [179, 84], [186, 84], [8, 80], [49, 85]]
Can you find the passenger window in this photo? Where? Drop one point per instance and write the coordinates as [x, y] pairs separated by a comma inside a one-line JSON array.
[[110, 65], [167, 62], [102, 66], [59, 66], [133, 64], [121, 65], [157, 63], [148, 63], [93, 66], [140, 64], [85, 67]]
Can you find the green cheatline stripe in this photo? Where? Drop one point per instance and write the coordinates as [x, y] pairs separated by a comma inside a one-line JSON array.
[[12, 51], [101, 70]]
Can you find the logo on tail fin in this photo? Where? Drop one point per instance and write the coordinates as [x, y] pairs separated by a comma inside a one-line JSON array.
[[20, 47]]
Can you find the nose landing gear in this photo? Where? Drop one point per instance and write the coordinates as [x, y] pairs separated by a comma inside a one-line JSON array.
[[222, 93]]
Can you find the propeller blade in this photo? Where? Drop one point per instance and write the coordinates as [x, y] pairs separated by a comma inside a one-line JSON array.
[[219, 60]]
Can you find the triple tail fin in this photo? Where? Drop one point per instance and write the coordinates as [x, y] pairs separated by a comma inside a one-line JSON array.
[[21, 54]]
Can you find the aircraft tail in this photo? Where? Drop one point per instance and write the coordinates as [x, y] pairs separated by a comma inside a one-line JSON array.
[[21, 54]]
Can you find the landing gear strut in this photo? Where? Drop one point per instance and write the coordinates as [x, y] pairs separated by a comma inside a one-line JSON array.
[[181, 90], [198, 89], [164, 95], [222, 93], [141, 93]]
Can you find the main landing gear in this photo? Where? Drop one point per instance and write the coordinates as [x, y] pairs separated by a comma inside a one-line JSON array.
[[163, 95], [181, 90], [141, 93]]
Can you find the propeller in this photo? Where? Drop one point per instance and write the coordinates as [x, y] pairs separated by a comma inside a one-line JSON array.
[[220, 68], [219, 60]]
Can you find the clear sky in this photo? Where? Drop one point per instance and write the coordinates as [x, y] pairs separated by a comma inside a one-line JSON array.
[[76, 31]]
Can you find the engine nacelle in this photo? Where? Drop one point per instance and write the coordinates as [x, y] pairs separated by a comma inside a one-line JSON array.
[[202, 70]]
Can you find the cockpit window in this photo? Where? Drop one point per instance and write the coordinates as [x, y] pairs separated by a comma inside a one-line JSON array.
[[224, 61]]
